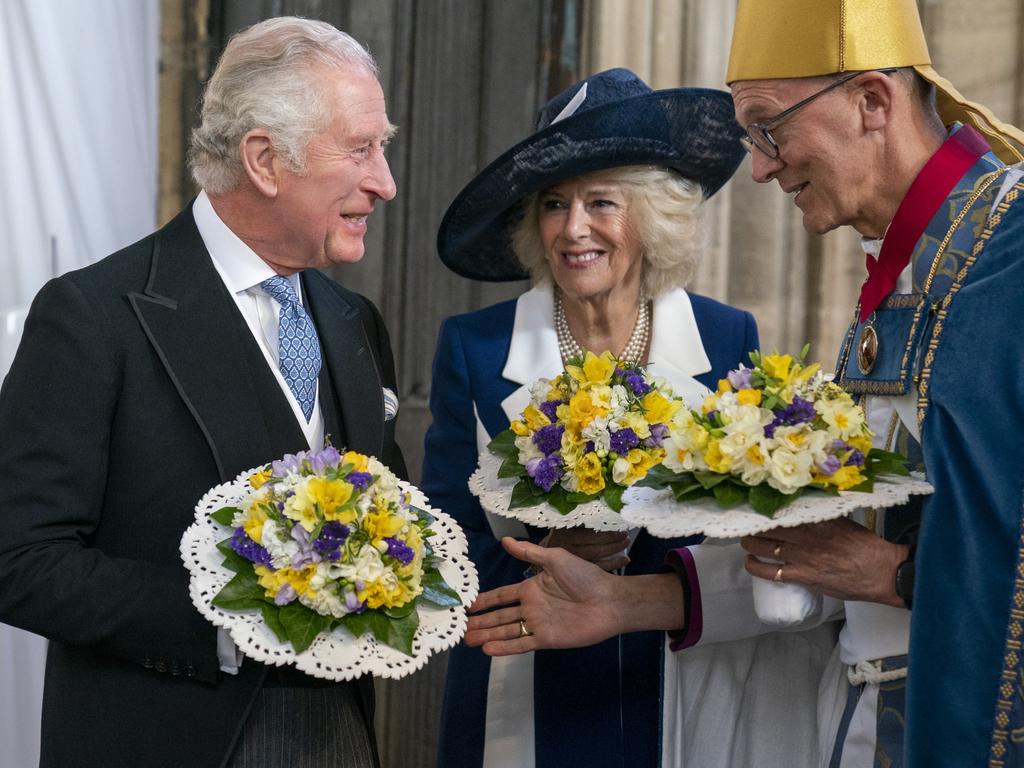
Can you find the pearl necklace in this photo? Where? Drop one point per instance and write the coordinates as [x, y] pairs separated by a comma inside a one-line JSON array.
[[632, 352]]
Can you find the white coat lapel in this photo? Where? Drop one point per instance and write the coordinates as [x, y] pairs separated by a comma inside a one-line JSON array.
[[533, 353], [677, 351]]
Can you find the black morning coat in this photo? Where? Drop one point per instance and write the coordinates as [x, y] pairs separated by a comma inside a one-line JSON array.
[[137, 387]]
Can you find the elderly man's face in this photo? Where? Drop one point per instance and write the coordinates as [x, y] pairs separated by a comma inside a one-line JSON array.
[[322, 215], [818, 157]]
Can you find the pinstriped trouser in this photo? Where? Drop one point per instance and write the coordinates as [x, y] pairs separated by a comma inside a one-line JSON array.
[[305, 728]]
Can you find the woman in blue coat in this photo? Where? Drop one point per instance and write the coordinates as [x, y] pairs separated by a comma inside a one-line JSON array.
[[601, 208]]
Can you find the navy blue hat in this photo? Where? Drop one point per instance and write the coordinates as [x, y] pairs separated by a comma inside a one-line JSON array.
[[610, 119]]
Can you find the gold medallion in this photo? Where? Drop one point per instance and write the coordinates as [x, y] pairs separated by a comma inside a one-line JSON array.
[[867, 350]]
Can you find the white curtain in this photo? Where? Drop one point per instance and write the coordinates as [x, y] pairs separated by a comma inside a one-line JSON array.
[[78, 145]]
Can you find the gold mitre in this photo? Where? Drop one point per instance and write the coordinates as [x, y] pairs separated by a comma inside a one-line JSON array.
[[804, 38]]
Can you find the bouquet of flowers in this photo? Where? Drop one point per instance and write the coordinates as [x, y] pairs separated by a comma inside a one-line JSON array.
[[321, 540], [589, 433], [769, 433]]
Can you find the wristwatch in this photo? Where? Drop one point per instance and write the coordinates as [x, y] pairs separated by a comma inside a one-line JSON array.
[[905, 578]]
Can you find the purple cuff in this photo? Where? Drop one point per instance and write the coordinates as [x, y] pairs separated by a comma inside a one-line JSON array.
[[681, 561]]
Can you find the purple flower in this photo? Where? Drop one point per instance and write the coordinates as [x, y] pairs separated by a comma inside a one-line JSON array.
[[623, 440], [285, 595], [290, 463], [352, 603], [635, 381], [549, 438], [829, 465], [740, 378], [658, 433], [399, 550], [307, 553], [545, 472], [328, 457], [590, 447], [332, 536], [548, 408], [360, 480], [800, 411], [249, 549], [855, 459]]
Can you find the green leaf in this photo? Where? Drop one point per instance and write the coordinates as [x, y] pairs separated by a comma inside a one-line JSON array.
[[566, 502], [232, 560], [613, 496], [504, 444], [659, 476], [272, 618], [302, 624], [395, 633], [689, 491], [803, 352], [865, 487], [526, 494], [767, 501], [709, 479], [510, 467], [436, 590], [401, 611], [242, 593], [225, 515], [729, 495]]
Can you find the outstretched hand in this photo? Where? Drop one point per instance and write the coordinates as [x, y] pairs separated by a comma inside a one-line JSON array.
[[567, 605]]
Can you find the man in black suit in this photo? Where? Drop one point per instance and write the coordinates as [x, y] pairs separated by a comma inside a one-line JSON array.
[[163, 370]]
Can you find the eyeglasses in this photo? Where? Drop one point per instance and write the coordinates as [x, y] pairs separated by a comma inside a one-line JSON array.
[[759, 135]]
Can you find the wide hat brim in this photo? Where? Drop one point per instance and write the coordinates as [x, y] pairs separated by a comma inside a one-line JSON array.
[[690, 130]]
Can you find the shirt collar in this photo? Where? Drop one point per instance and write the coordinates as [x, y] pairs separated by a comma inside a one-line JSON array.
[[237, 263]]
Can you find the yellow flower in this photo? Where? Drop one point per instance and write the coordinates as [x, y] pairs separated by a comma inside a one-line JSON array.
[[254, 521], [777, 366], [330, 494], [272, 581], [724, 386], [381, 524], [843, 478], [302, 508], [640, 462], [710, 404], [749, 397], [590, 474], [862, 442], [595, 370], [534, 418], [258, 479], [519, 428], [716, 460], [582, 410], [754, 455], [358, 461], [658, 409]]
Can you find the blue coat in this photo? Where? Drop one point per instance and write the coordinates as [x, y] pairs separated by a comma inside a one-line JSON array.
[[592, 706]]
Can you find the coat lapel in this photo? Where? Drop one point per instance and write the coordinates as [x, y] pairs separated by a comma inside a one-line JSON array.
[[358, 390], [197, 331]]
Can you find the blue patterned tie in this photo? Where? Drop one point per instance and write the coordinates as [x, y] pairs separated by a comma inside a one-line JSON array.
[[298, 346]]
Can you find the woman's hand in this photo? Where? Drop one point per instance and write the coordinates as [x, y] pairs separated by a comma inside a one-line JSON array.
[[605, 549]]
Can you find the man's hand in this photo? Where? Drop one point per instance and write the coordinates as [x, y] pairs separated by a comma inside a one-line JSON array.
[[606, 549], [571, 603], [838, 558]]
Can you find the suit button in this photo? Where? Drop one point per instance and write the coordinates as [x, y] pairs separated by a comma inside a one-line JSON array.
[[175, 669], [147, 663], [190, 671], [161, 665]]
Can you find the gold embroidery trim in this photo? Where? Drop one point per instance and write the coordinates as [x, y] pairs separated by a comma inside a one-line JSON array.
[[1008, 681]]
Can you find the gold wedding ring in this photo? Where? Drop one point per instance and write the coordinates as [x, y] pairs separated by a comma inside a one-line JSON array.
[[777, 579], [524, 632], [777, 552]]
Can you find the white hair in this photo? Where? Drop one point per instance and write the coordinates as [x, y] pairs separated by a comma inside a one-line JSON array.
[[267, 77], [664, 214]]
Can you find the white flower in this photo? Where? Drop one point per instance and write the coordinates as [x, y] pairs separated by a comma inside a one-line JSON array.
[[597, 430], [527, 450], [789, 471], [366, 567], [844, 418], [279, 544]]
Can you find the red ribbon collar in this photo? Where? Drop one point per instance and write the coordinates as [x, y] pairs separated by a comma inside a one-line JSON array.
[[930, 189]]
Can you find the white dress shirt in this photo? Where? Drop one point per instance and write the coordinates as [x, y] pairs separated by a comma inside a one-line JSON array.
[[242, 272]]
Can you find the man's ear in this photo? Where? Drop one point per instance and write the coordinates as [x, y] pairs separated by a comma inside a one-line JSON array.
[[877, 93], [260, 161]]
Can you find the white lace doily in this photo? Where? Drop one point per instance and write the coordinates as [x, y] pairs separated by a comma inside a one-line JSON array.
[[667, 518], [334, 655], [495, 493]]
